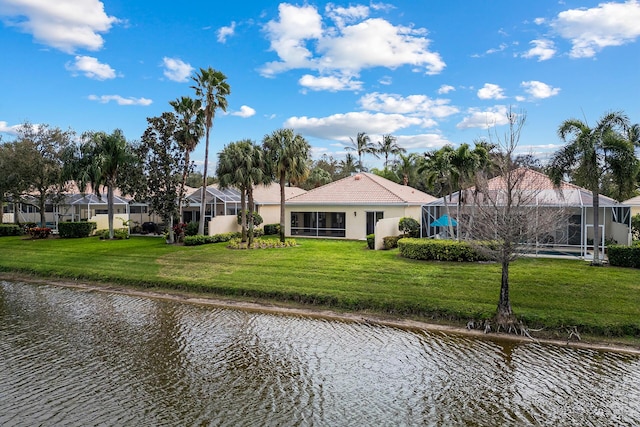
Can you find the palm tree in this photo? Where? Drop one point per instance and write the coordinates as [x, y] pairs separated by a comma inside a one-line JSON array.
[[347, 166], [287, 154], [362, 145], [589, 153], [438, 173], [189, 132], [406, 166], [212, 88], [389, 146], [104, 159], [242, 164]]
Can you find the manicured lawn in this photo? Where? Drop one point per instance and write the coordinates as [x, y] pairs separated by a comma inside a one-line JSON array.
[[345, 275]]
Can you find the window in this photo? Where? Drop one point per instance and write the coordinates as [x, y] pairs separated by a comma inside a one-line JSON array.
[[318, 224]]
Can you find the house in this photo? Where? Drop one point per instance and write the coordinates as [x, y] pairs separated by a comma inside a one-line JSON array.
[[634, 203], [575, 231], [351, 207]]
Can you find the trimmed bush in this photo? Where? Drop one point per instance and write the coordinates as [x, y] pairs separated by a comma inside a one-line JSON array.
[[624, 256], [76, 229], [371, 241], [118, 234], [235, 243], [438, 250], [204, 240], [409, 226], [39, 232], [390, 242], [192, 228], [271, 229], [10, 230]]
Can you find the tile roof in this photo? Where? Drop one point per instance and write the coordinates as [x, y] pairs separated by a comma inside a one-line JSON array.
[[363, 189], [270, 194]]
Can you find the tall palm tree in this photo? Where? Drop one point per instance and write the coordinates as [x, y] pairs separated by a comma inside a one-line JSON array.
[[362, 145], [347, 166], [287, 154], [588, 154], [104, 159], [211, 86], [241, 164], [389, 146], [190, 130], [439, 174], [406, 166]]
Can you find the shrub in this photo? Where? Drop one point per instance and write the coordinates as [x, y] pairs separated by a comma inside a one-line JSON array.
[[440, 250], [203, 240], [10, 230], [118, 234], [371, 241], [409, 226], [191, 229], [76, 229], [257, 219], [271, 229], [39, 232], [624, 256], [235, 243], [390, 242]]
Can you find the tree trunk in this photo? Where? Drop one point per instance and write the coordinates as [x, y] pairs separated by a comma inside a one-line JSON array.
[[504, 303], [184, 183], [110, 209], [172, 237], [282, 184], [243, 215], [446, 208], [596, 229], [250, 220], [42, 202], [204, 185]]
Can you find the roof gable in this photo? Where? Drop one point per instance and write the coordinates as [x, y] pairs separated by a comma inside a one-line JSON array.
[[363, 189]]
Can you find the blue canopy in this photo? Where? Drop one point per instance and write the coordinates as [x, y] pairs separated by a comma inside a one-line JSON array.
[[444, 221]]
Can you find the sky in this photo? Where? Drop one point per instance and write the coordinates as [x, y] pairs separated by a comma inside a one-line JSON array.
[[429, 73]]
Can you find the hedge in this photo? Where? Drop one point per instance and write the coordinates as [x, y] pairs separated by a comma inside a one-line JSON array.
[[390, 242], [438, 250], [371, 241], [271, 229], [10, 230], [203, 240], [76, 229], [624, 256]]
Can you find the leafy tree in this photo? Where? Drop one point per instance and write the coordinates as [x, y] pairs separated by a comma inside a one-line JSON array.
[[189, 131], [211, 86], [39, 162], [635, 226], [362, 145], [101, 160], [163, 163], [317, 177], [592, 152], [407, 167], [286, 153], [389, 146], [347, 166], [242, 165], [386, 174], [409, 226]]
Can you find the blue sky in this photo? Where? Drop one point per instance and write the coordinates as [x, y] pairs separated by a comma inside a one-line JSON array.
[[429, 72]]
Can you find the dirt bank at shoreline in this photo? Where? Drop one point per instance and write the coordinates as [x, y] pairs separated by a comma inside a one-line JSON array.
[[306, 311]]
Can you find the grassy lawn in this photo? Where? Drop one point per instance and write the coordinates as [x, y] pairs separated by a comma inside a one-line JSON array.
[[345, 275]]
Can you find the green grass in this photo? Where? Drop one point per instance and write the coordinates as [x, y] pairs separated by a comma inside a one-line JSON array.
[[554, 294]]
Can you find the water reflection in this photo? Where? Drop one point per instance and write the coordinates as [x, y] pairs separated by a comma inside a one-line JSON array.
[[75, 358]]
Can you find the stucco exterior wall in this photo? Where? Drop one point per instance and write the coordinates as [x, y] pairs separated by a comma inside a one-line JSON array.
[[102, 221], [386, 227], [270, 214], [223, 224]]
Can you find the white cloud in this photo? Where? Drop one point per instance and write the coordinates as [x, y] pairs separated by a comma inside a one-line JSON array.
[[417, 105], [343, 126], [66, 25], [539, 90], [176, 69], [330, 83], [245, 111], [444, 89], [225, 32], [476, 118], [542, 49], [491, 91], [5, 128], [91, 68], [422, 141], [103, 99], [591, 30], [301, 41]]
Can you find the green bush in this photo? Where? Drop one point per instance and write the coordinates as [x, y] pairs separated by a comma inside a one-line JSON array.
[[439, 250], [271, 229], [390, 242], [39, 232], [118, 234], [76, 229], [235, 243], [624, 256], [409, 226], [203, 240], [191, 229], [257, 219], [371, 241], [10, 230]]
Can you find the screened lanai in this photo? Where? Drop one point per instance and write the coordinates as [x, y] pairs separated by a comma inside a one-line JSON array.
[[573, 233], [217, 202]]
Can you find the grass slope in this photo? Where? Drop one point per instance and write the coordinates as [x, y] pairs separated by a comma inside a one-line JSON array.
[[344, 274]]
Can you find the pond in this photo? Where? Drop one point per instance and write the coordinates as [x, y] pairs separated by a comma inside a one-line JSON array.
[[76, 358]]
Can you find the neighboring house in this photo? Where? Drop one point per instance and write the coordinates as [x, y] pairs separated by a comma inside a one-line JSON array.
[[350, 208], [634, 203], [267, 200], [576, 229], [217, 203]]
